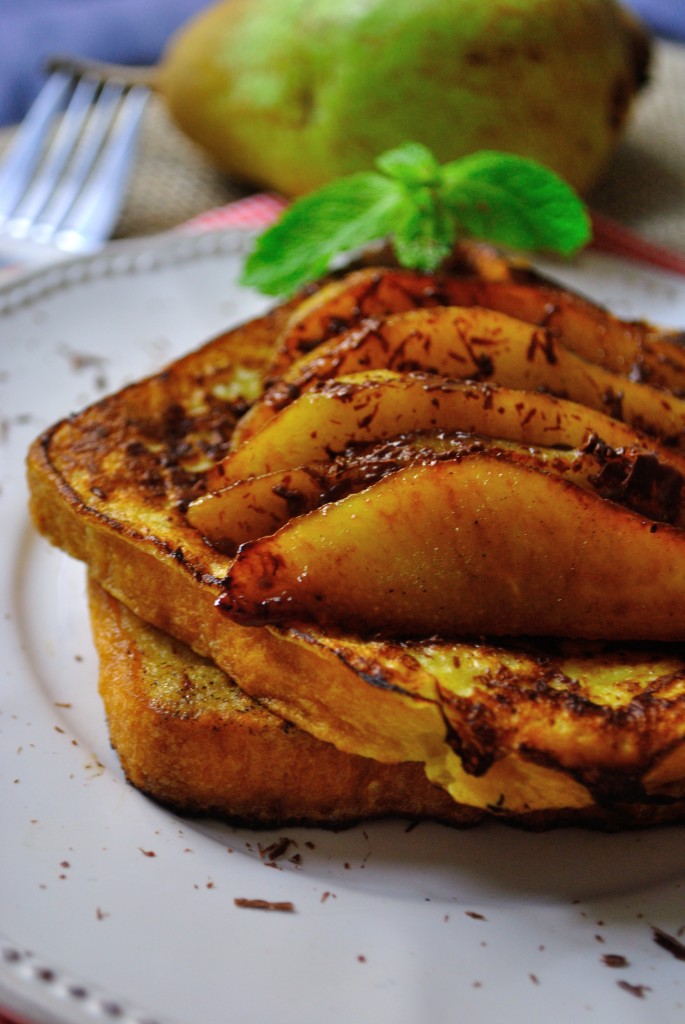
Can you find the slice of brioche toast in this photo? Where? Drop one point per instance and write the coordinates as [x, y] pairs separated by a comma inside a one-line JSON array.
[[190, 738], [522, 732], [187, 736]]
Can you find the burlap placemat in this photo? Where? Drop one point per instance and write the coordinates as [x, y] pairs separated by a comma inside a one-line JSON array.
[[173, 179], [644, 187]]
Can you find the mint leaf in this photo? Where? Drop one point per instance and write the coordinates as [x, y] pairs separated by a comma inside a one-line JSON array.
[[424, 207], [516, 202], [346, 214], [411, 163], [424, 237]]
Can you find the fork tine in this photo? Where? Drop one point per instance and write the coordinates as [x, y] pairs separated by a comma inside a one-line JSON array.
[[93, 136], [27, 147], [95, 212], [56, 157], [62, 183]]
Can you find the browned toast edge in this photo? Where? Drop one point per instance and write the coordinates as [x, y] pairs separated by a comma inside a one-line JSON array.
[[187, 736]]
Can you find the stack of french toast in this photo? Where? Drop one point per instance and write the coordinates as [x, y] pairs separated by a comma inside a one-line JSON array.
[[409, 544]]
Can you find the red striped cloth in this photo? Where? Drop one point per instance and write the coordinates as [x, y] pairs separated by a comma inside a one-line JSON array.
[[255, 211], [613, 238]]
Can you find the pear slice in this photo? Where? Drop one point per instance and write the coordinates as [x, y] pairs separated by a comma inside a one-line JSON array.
[[474, 546], [255, 507], [259, 505], [631, 348], [473, 343], [380, 404]]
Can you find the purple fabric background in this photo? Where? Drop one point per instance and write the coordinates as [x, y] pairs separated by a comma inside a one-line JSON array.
[[666, 17], [126, 31], [134, 32]]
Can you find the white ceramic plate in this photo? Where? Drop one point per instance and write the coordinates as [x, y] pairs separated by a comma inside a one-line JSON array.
[[114, 909]]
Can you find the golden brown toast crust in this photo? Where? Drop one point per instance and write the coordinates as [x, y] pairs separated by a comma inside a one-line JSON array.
[[187, 736]]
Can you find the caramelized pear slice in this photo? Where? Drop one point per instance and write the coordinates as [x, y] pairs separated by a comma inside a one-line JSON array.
[[380, 404], [475, 546], [472, 343], [256, 507], [633, 349], [259, 505]]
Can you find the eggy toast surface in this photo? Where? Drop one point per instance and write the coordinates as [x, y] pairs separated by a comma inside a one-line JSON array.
[[593, 735]]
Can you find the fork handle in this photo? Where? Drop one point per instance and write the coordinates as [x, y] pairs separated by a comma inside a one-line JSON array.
[[120, 74]]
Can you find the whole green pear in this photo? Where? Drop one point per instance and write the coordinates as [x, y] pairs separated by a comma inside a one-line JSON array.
[[288, 94]]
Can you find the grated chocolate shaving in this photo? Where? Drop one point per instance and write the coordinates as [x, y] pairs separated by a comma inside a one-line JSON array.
[[283, 905], [669, 943]]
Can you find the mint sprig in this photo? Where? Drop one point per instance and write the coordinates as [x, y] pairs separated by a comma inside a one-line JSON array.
[[423, 208]]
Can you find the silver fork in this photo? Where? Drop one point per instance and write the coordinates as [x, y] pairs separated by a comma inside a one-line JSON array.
[[63, 181]]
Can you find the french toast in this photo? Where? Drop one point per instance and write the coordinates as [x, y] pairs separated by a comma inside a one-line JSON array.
[[190, 738], [539, 731]]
